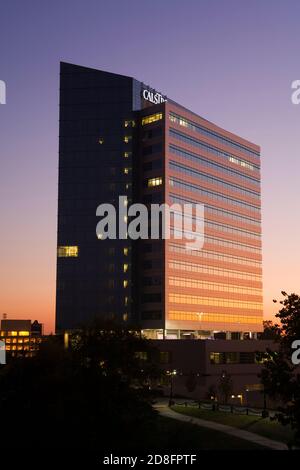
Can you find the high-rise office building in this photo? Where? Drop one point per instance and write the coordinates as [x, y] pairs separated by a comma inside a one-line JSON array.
[[119, 137]]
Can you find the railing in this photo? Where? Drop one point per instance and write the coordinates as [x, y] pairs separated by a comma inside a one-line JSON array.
[[240, 410]]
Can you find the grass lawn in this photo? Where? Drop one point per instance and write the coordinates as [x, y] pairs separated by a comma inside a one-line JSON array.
[[177, 436], [262, 426]]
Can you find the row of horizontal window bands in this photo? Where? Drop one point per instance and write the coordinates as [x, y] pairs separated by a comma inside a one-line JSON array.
[[220, 298], [218, 167], [190, 267], [211, 223], [230, 276], [184, 122], [221, 239], [186, 139], [207, 178], [210, 262], [222, 318], [216, 287], [213, 184], [210, 271], [209, 226], [213, 301], [234, 358], [215, 228], [182, 185], [217, 210], [210, 258], [213, 243], [220, 257], [209, 209]]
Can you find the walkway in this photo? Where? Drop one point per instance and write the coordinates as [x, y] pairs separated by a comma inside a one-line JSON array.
[[165, 411]]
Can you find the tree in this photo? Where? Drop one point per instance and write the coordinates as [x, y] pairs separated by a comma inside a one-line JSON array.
[[191, 382], [225, 386], [211, 393], [94, 395], [271, 331], [280, 376]]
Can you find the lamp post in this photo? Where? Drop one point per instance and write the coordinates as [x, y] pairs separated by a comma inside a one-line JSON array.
[[265, 413], [172, 374]]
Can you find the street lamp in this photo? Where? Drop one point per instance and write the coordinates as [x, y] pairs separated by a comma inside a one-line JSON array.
[[172, 374]]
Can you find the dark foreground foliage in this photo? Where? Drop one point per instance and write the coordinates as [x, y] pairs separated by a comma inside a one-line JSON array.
[[90, 395]]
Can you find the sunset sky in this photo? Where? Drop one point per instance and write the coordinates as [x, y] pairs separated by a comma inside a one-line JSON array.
[[231, 62]]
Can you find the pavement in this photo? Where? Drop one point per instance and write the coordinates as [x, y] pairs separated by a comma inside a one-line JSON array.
[[164, 410]]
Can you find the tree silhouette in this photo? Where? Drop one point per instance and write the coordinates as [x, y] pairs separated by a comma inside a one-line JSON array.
[[225, 386], [93, 395], [280, 376]]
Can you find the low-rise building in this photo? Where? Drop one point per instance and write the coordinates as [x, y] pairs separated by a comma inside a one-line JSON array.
[[196, 367], [21, 337]]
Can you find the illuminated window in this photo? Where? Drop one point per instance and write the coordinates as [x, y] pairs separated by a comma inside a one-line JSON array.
[[101, 141], [127, 139], [125, 283], [125, 316], [129, 123], [141, 355], [12, 333], [23, 333], [151, 118], [126, 301], [125, 251], [216, 358], [126, 171], [152, 182], [125, 267], [67, 251], [127, 154]]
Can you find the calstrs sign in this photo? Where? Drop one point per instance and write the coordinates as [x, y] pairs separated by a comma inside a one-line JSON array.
[[153, 96]]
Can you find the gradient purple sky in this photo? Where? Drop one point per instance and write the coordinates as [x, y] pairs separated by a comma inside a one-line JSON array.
[[230, 61]]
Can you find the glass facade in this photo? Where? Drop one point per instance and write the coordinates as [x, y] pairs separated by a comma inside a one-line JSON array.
[[113, 143], [218, 287]]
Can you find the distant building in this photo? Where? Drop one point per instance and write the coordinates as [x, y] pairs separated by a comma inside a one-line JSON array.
[[21, 337]]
